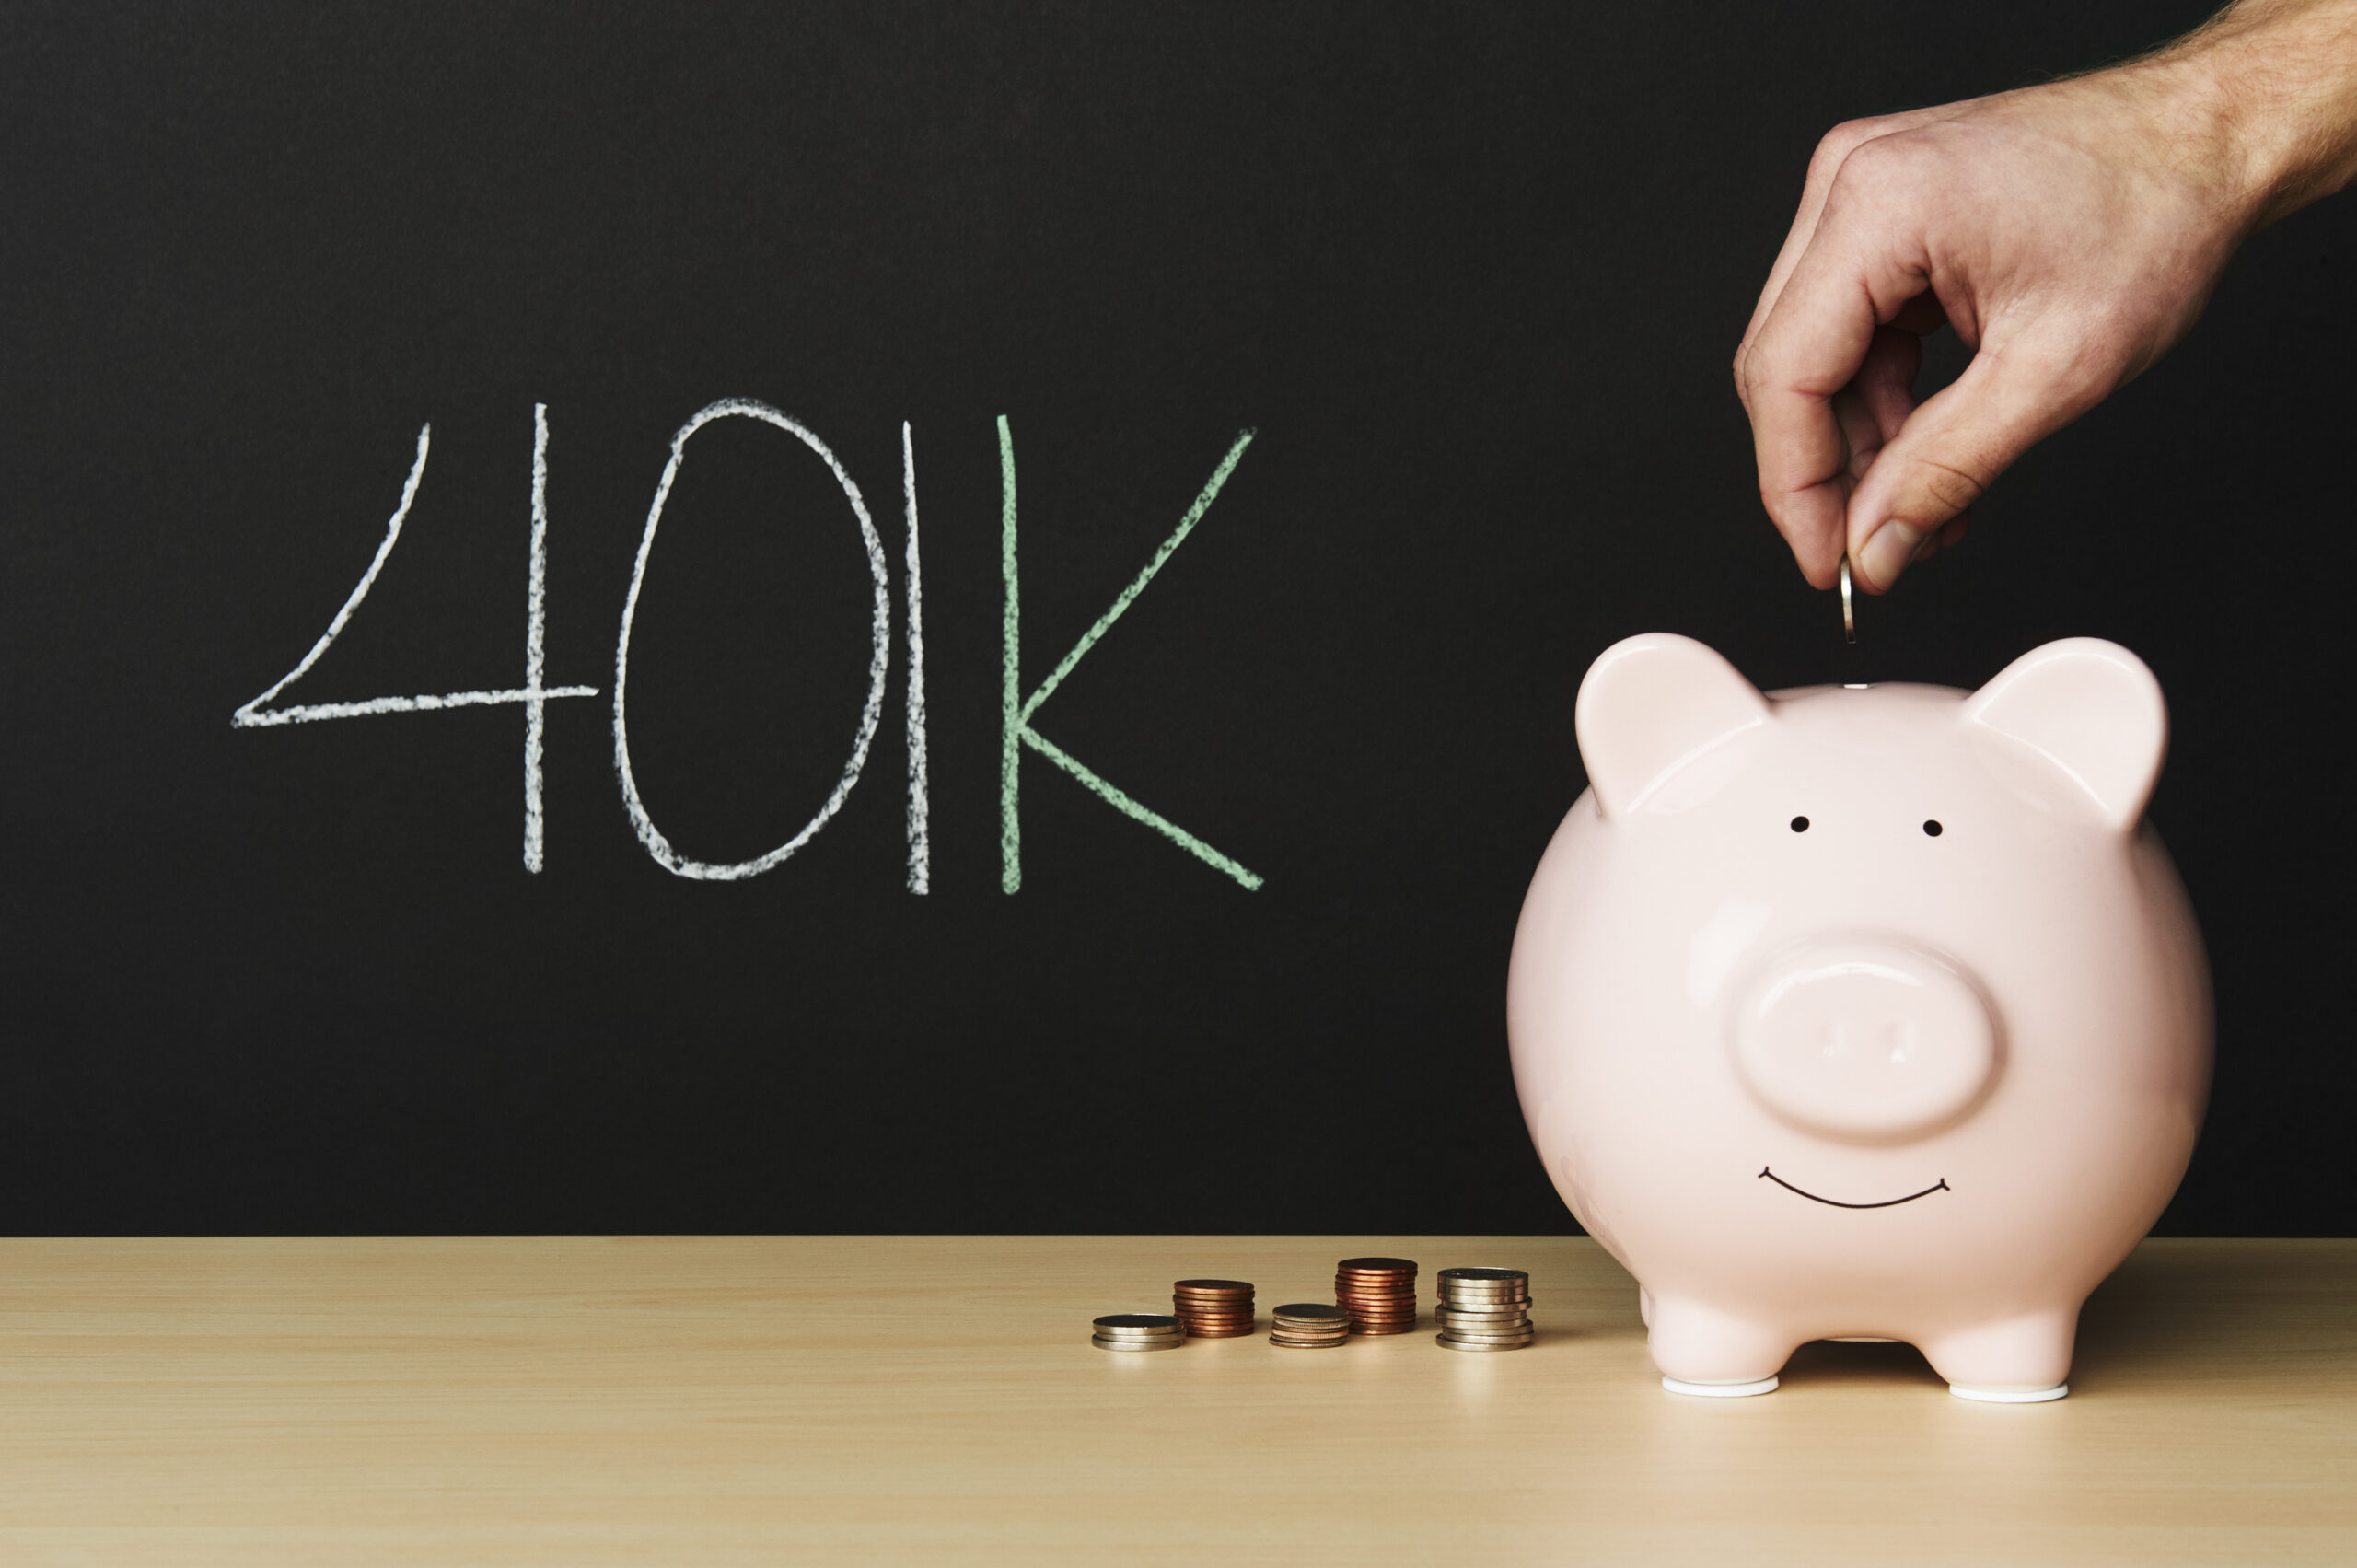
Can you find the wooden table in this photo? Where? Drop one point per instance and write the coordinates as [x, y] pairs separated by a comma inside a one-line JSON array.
[[681, 1401]]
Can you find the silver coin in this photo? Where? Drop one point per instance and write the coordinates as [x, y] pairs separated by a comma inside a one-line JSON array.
[[1113, 1321], [1849, 616], [1308, 1345], [1486, 1275], [1138, 1333], [1447, 1343], [1312, 1316], [1486, 1334], [1167, 1342], [1482, 1320]]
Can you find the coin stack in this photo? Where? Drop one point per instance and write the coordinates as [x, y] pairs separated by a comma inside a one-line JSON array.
[[1212, 1309], [1309, 1325], [1485, 1310], [1138, 1331], [1378, 1293]]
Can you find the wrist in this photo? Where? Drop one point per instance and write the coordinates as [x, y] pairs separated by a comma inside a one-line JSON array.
[[2264, 97]]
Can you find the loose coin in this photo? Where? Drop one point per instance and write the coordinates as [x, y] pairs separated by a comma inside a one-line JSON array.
[[1160, 1322], [1214, 1288], [1849, 618], [1169, 1341], [1447, 1343]]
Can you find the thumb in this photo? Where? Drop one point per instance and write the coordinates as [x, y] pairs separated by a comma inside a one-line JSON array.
[[1955, 444]]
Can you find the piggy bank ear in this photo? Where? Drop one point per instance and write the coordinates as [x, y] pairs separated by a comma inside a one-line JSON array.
[[1651, 705], [2084, 707]]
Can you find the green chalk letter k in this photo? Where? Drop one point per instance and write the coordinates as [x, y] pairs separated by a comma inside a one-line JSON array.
[[1015, 710]]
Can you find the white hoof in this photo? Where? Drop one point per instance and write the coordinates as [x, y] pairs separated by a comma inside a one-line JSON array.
[[2003, 1395], [1734, 1390]]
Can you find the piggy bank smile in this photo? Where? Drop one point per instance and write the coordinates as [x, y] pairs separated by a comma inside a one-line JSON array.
[[1768, 1174], [1880, 946]]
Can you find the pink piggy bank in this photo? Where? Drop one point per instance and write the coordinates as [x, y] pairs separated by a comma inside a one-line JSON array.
[[1862, 1012]]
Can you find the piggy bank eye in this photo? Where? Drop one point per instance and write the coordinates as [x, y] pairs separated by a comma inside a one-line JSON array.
[[1800, 825], [1931, 828]]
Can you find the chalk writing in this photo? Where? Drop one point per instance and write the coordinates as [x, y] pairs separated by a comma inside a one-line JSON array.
[[1017, 710], [648, 834], [259, 714], [920, 812], [1016, 731]]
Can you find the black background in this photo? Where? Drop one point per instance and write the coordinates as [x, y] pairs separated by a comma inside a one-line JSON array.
[[1474, 274]]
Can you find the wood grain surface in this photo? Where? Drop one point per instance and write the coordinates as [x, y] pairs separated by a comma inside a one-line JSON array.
[[575, 1402]]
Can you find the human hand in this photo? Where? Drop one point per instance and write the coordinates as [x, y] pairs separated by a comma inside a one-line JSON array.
[[2070, 233]]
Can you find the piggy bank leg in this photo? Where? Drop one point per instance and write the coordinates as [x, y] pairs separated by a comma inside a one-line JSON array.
[[2021, 1361], [1702, 1350]]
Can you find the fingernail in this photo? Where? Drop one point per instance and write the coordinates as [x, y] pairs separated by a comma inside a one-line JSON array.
[[1888, 553]]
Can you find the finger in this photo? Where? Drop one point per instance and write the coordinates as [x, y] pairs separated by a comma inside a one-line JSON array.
[[1823, 165], [2013, 395], [1818, 339], [1934, 543], [1885, 382]]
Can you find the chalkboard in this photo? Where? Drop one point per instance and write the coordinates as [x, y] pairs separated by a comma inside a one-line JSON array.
[[875, 617]]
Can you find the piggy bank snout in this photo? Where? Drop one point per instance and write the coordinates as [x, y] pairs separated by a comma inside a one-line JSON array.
[[1864, 1040]]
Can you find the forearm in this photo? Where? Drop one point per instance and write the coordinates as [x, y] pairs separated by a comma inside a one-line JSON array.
[[2269, 88]]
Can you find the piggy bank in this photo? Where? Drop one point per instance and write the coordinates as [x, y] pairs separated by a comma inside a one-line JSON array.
[[1862, 1012]]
